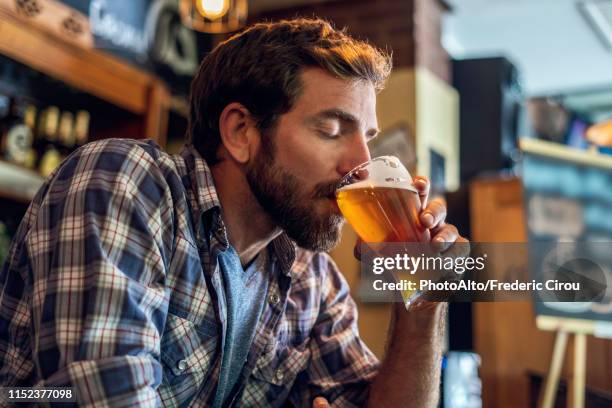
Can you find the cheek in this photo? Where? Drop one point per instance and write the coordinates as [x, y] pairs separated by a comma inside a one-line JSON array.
[[312, 162]]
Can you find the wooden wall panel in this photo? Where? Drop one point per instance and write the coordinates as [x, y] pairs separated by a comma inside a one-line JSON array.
[[505, 333]]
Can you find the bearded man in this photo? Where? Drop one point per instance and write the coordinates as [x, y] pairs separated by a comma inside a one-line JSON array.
[[139, 278]]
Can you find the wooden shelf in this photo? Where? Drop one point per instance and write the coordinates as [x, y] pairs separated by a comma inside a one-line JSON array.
[[78, 65], [17, 183], [88, 70]]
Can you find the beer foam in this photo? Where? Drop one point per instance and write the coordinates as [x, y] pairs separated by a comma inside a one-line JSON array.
[[399, 183]]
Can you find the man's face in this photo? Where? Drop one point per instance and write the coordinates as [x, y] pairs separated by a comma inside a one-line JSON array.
[[304, 157]]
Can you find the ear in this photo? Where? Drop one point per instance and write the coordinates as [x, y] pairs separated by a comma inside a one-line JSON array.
[[238, 132]]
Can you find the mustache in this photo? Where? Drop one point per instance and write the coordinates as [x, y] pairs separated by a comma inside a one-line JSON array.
[[323, 190]]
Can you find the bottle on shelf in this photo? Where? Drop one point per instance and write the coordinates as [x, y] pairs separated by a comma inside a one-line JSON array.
[[17, 133], [81, 128], [30, 122], [66, 139], [50, 156]]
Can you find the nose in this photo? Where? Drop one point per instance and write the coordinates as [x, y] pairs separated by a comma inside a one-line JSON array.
[[356, 152]]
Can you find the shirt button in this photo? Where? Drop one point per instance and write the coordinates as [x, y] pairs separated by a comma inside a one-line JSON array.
[[279, 375], [273, 299], [182, 365]]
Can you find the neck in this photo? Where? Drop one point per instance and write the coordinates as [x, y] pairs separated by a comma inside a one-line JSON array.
[[249, 228]]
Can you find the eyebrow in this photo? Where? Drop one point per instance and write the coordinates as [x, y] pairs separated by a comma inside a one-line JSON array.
[[342, 116]]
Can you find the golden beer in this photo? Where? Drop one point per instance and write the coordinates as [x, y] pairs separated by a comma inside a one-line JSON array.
[[382, 213]]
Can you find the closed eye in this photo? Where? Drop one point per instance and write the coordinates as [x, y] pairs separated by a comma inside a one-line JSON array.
[[328, 135]]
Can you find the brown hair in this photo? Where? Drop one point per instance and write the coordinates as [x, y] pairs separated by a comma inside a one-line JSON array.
[[260, 69]]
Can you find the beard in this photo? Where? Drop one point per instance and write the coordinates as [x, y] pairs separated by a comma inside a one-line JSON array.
[[282, 196]]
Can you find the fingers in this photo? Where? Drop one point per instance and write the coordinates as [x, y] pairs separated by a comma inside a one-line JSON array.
[[460, 248], [434, 214], [320, 402], [444, 236], [422, 184]]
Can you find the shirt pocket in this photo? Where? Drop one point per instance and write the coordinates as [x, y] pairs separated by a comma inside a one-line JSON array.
[[188, 353], [276, 372]]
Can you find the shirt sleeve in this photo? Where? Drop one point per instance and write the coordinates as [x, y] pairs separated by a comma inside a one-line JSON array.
[[97, 253], [342, 366]]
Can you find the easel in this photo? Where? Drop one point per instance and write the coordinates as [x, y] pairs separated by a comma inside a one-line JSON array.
[[564, 327]]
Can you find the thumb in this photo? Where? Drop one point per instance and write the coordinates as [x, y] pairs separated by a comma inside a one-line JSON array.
[[320, 402]]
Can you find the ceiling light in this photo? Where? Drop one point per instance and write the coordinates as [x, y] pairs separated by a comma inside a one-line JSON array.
[[214, 16], [212, 9]]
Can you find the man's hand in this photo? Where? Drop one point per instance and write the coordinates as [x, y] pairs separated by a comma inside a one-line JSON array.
[[320, 402], [445, 238]]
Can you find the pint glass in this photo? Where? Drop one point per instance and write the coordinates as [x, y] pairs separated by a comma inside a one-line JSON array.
[[379, 201]]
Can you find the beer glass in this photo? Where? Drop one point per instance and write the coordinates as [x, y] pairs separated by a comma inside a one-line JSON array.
[[378, 200]]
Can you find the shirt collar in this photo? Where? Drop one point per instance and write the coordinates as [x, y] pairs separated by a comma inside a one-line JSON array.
[[209, 209], [285, 251], [202, 182]]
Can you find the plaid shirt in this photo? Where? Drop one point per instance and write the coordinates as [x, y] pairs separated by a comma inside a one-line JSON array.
[[111, 288]]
